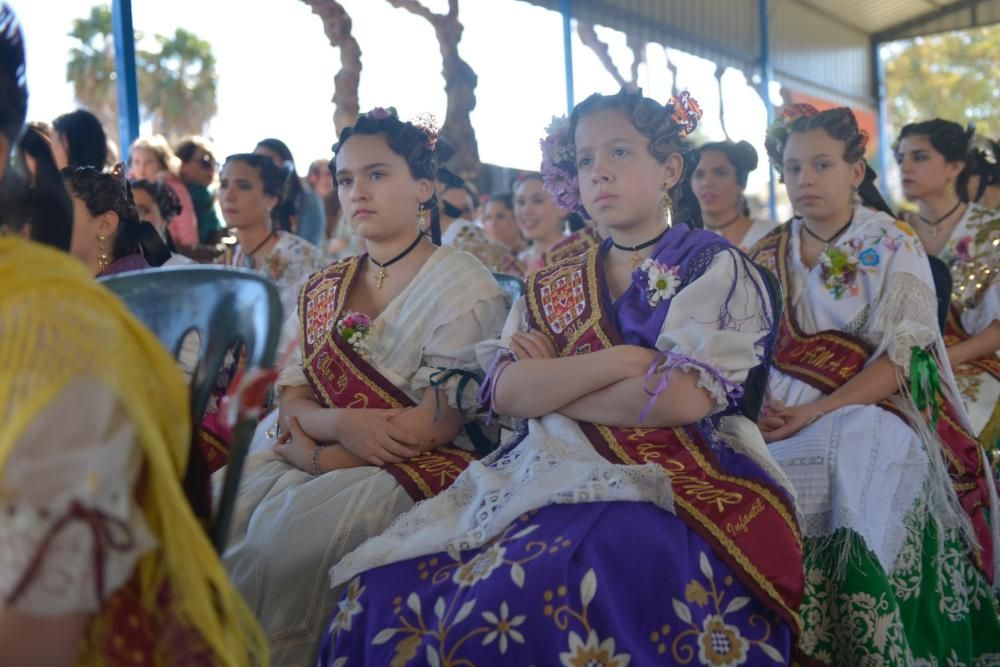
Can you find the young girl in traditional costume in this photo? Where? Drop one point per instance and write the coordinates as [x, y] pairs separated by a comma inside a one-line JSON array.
[[622, 526], [865, 420], [102, 561], [251, 188], [932, 159], [718, 182], [373, 404], [541, 222]]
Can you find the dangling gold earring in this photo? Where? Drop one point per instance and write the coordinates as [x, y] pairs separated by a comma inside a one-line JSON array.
[[103, 259], [667, 204], [855, 198], [421, 216]]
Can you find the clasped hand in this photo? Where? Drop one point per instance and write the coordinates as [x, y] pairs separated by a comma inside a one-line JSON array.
[[369, 434], [778, 422]]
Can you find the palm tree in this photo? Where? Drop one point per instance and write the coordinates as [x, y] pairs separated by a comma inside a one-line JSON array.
[[178, 85], [91, 66]]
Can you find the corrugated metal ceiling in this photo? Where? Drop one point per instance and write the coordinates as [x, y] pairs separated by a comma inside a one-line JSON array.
[[821, 46]]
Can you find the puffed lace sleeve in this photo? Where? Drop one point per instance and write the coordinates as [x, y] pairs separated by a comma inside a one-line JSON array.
[[474, 311], [717, 326], [71, 530], [984, 312]]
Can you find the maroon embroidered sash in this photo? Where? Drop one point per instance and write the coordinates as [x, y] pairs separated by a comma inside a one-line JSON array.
[[829, 359], [750, 525], [955, 333], [574, 245], [342, 378]]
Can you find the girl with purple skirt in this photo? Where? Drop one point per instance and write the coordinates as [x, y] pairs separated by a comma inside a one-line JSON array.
[[636, 518]]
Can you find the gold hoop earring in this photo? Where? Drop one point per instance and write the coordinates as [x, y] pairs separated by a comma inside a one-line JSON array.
[[421, 216], [103, 258]]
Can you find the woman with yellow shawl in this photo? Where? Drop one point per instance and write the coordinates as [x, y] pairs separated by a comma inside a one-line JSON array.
[[101, 559]]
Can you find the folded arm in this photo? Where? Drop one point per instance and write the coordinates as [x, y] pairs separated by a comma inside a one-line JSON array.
[[983, 344]]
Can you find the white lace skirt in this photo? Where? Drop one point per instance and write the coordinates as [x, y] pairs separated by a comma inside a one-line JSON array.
[[289, 529], [859, 467]]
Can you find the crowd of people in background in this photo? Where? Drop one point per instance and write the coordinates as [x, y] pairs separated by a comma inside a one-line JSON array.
[[690, 434]]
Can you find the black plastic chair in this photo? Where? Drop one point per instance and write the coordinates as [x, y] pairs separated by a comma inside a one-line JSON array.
[[755, 386], [225, 306], [513, 285], [942, 287]]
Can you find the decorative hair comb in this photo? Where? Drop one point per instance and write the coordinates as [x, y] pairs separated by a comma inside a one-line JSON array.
[[686, 113], [427, 123]]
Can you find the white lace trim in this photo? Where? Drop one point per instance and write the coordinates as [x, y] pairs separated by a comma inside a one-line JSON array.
[[906, 315], [555, 464]]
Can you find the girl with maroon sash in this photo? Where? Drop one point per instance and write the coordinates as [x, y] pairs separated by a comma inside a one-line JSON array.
[[865, 419], [373, 404], [933, 157], [634, 519]]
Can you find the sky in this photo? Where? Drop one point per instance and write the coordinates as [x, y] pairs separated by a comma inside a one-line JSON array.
[[275, 71]]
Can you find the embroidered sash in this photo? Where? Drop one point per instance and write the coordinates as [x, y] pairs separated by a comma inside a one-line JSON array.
[[573, 245], [955, 333], [342, 378], [829, 359], [750, 525]]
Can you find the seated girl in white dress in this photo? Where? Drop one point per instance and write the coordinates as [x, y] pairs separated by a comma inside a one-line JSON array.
[[382, 383], [865, 420]]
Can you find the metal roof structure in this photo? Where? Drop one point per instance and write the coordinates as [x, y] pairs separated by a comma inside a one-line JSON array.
[[825, 48]]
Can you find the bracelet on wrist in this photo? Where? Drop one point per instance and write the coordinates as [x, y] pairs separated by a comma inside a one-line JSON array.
[[314, 468]]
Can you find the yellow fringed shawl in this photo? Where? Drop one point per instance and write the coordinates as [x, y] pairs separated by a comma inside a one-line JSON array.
[[56, 324]]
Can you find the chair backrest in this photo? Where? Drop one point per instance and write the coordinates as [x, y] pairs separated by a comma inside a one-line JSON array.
[[755, 386], [225, 306], [942, 287], [513, 285]]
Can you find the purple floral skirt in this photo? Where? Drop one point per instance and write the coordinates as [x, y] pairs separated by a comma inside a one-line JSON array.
[[612, 584]]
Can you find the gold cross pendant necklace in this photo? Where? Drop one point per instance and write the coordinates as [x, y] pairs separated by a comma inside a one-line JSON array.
[[382, 274], [636, 258]]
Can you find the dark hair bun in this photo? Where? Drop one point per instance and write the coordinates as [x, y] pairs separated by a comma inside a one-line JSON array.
[[742, 155], [747, 155], [947, 137], [421, 149]]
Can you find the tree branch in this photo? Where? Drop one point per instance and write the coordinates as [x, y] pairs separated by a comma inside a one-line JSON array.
[[719, 71], [589, 37], [338, 27], [417, 7]]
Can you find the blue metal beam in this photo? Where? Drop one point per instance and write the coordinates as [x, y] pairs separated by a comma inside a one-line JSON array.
[[882, 113], [566, 8], [127, 83], [766, 74]]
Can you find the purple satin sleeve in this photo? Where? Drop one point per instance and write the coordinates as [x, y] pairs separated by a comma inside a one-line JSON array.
[[487, 389], [674, 360]]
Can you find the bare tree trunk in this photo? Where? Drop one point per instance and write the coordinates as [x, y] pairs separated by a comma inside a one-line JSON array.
[[719, 71], [337, 25], [460, 83], [589, 37]]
